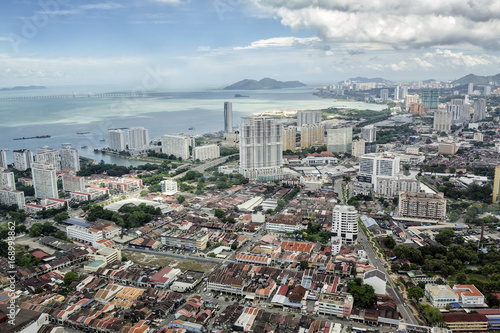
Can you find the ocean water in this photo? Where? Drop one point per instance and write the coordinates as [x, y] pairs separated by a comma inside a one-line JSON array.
[[38, 112]]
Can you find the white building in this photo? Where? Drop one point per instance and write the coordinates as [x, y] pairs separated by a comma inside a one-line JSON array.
[[440, 295], [289, 138], [177, 145], [12, 197], [308, 117], [377, 279], [335, 305], [261, 153], [374, 165], [281, 226], [73, 183], [83, 234], [49, 156], [3, 158], [205, 153], [44, 180], [228, 117], [391, 186], [479, 109], [358, 148], [168, 187], [7, 180], [138, 137], [117, 140], [469, 295], [411, 99], [22, 159], [70, 159], [442, 121], [345, 223], [339, 140]]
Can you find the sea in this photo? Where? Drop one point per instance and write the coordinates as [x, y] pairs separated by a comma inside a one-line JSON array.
[[82, 115]]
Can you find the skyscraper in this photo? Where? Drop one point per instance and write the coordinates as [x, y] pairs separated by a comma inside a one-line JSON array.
[[117, 140], [177, 145], [261, 153], [228, 117], [479, 109], [470, 88], [44, 180], [339, 140], [442, 121], [70, 159], [289, 135], [384, 94], [48, 155], [7, 180], [345, 223], [369, 134], [358, 148], [312, 134], [23, 159], [496, 184], [373, 165], [308, 117], [430, 99], [397, 92], [138, 137], [3, 158]]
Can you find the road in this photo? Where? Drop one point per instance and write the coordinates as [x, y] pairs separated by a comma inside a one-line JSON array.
[[393, 290], [204, 166]]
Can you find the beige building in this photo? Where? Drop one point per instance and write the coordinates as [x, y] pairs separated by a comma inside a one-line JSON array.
[[312, 134], [422, 205], [358, 148], [289, 134], [447, 148], [496, 184]]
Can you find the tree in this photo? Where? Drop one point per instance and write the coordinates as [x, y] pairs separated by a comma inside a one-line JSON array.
[[304, 264], [415, 293], [212, 255], [234, 246], [181, 199], [61, 217], [445, 236], [70, 277], [431, 314], [364, 296], [461, 278], [219, 213], [389, 242]]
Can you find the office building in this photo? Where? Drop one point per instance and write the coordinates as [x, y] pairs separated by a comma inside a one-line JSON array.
[[177, 145], [447, 148], [358, 148], [442, 121], [496, 184], [430, 99], [374, 165], [205, 153], [289, 138], [261, 153], [312, 134], [185, 239], [422, 205], [228, 117], [44, 180], [384, 94], [7, 180], [3, 158], [10, 197], [345, 223], [138, 138], [117, 140], [391, 186], [369, 134], [339, 140], [470, 88], [479, 109], [168, 187], [22, 159], [336, 305], [73, 183], [308, 117], [70, 159], [397, 92]]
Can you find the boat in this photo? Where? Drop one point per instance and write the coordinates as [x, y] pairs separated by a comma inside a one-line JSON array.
[[33, 137], [82, 133], [102, 140], [84, 147], [191, 128]]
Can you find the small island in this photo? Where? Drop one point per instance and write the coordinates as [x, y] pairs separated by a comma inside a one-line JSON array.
[[240, 95], [23, 88], [265, 83]]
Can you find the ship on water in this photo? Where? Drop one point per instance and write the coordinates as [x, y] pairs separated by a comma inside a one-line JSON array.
[[33, 137]]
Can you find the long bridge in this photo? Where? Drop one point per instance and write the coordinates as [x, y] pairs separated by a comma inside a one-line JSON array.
[[89, 95]]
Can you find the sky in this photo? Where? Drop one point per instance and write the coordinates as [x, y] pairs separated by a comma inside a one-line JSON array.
[[181, 44]]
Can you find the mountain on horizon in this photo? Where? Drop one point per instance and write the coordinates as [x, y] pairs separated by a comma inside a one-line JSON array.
[[265, 83], [476, 79]]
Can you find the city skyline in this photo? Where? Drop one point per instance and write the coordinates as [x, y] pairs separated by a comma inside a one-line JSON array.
[[168, 44]]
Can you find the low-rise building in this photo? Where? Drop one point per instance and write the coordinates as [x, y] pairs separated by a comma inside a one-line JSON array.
[[422, 205], [440, 295], [469, 295], [185, 239], [205, 153], [466, 322], [377, 279], [335, 305]]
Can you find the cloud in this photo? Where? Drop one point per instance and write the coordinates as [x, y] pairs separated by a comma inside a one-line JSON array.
[[60, 12], [312, 42], [167, 2], [104, 5], [204, 48], [395, 23], [5, 39], [459, 59]]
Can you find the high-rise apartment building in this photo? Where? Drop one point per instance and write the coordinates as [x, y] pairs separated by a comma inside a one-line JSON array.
[[12, 197], [48, 155], [442, 121], [479, 109], [205, 153], [44, 180], [73, 183], [7, 180], [177, 145], [404, 92], [312, 134], [470, 88], [496, 184], [3, 158], [117, 140], [460, 112], [384, 94], [487, 90], [228, 117], [289, 138], [422, 205], [339, 140], [417, 109], [22, 159], [358, 148], [391, 186], [308, 117], [430, 99], [397, 91], [70, 159], [345, 223], [138, 138], [374, 165], [369, 134], [411, 99], [261, 148]]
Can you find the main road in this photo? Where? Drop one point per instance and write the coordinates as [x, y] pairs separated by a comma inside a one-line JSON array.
[[393, 291]]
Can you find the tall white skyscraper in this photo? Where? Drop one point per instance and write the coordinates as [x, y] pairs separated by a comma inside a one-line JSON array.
[[442, 121], [70, 159], [44, 180], [7, 180], [487, 90], [460, 111], [177, 145], [470, 88], [396, 92], [404, 92], [138, 137], [369, 133], [50, 156], [345, 223], [3, 158], [228, 117], [23, 159], [308, 117], [479, 109], [261, 148], [117, 140], [339, 140], [384, 94], [373, 165]]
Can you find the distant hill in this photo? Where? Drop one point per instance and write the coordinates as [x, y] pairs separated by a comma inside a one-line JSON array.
[[23, 88], [265, 83], [471, 78]]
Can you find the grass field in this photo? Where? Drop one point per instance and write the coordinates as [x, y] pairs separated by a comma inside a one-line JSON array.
[[147, 259]]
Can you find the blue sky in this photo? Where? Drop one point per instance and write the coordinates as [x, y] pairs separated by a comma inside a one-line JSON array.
[[170, 44]]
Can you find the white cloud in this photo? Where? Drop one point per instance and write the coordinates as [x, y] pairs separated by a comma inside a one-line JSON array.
[[104, 5], [204, 48], [279, 42], [60, 12], [168, 2], [459, 59], [5, 39]]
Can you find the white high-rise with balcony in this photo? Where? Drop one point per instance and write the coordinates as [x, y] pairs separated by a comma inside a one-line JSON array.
[[138, 137], [23, 159], [228, 117], [3, 158], [177, 145], [345, 223], [70, 159], [48, 155], [117, 140], [44, 180], [261, 153]]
